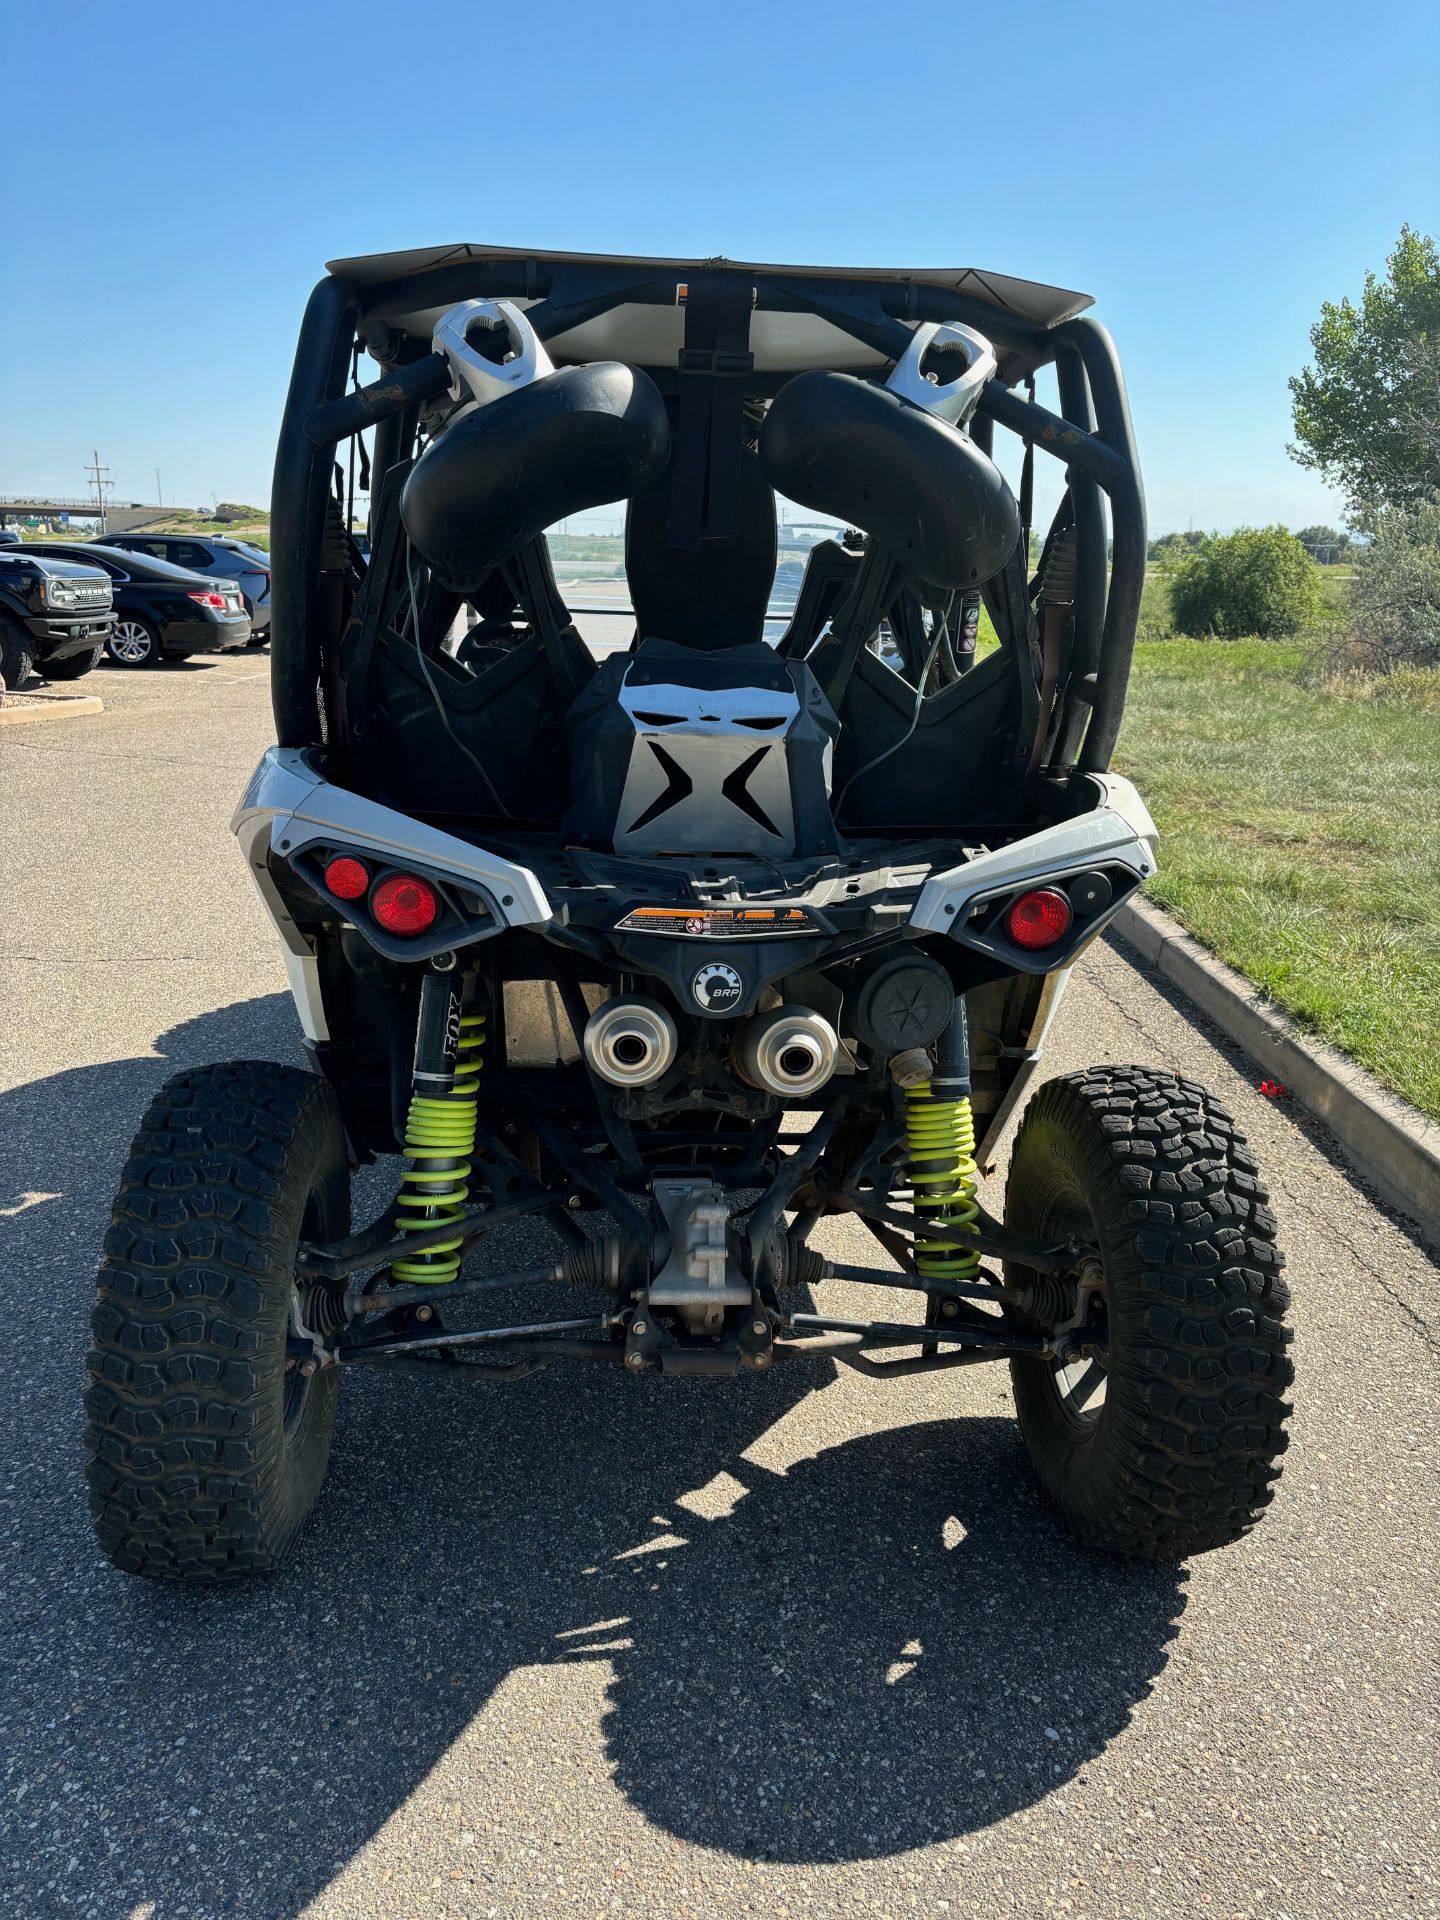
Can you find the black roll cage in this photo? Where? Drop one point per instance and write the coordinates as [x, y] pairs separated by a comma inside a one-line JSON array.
[[1091, 436]]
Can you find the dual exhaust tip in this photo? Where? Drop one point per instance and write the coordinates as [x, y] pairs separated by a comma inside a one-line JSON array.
[[790, 1051]]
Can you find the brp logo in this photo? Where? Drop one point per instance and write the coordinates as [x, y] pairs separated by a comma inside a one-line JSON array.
[[717, 988]]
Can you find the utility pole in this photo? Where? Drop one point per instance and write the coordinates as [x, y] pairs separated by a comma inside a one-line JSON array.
[[101, 485], [159, 496]]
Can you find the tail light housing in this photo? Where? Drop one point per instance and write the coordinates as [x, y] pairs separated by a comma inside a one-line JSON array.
[[209, 599], [1038, 919], [405, 905]]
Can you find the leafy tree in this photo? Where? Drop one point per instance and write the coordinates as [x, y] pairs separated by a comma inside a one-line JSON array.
[[1395, 595], [1257, 580], [1171, 546], [1324, 544], [1367, 413]]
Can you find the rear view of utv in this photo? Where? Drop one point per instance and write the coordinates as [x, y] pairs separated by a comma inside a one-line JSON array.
[[682, 950]]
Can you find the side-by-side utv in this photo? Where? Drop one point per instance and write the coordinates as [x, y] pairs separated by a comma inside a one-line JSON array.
[[682, 950]]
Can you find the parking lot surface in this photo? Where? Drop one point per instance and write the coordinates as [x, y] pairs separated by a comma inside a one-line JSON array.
[[590, 1645]]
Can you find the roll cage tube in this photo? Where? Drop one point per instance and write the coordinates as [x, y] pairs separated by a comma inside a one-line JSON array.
[[298, 509], [1092, 435]]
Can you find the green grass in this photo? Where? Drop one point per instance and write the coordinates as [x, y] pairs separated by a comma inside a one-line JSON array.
[[1300, 824]]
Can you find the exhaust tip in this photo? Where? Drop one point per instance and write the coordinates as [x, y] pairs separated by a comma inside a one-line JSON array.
[[790, 1051], [631, 1042]]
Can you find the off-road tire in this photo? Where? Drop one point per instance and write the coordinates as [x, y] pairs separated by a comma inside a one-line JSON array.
[[17, 653], [206, 1445], [75, 665], [1184, 1452]]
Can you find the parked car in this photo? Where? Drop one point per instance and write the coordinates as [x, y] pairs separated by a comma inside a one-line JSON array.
[[161, 612], [54, 613], [220, 557]]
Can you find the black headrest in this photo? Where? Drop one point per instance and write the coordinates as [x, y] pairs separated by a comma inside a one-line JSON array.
[[710, 596], [496, 479], [919, 486]]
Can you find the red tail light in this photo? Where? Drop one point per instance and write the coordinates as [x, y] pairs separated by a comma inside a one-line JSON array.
[[405, 904], [347, 878], [215, 600], [1037, 920]]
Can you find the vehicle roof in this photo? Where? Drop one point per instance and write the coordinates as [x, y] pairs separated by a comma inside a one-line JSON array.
[[649, 335], [9, 553], [157, 533], [236, 542], [144, 565]]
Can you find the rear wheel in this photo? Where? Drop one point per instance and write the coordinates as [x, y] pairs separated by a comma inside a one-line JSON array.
[[74, 665], [1159, 1434], [134, 643], [207, 1433], [17, 653]]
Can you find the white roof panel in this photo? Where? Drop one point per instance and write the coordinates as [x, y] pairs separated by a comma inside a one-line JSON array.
[[650, 335]]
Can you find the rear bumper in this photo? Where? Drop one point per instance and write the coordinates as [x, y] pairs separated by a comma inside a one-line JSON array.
[[205, 636], [58, 639]]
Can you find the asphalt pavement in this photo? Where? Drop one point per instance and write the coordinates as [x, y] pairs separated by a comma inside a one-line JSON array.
[[593, 1645]]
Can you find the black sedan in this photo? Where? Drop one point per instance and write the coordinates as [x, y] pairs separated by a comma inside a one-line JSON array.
[[221, 557], [162, 612]]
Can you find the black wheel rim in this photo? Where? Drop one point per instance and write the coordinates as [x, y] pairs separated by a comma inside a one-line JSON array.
[[1079, 1375], [299, 1383]]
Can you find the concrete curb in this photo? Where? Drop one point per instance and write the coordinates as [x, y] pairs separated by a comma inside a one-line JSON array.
[[58, 706], [1396, 1148]]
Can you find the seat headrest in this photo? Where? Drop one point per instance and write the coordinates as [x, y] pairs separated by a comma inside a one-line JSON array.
[[919, 486], [499, 476]]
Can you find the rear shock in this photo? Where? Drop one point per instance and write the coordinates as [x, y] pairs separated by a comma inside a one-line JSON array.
[[940, 1153], [440, 1126]]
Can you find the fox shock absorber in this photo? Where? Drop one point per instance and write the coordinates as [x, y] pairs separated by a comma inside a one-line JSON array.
[[940, 1154], [440, 1126]]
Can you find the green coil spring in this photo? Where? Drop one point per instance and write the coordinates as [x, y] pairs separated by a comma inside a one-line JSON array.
[[439, 1140], [940, 1150]]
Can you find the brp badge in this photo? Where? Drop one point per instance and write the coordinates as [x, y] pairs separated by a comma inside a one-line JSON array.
[[717, 988]]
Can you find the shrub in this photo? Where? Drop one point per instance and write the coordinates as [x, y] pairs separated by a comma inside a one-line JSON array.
[[1395, 594], [1259, 580], [1155, 620]]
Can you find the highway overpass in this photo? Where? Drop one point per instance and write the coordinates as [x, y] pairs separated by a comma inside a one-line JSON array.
[[120, 517]]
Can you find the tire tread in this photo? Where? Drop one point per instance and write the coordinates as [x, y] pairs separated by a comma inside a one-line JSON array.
[[184, 1435], [1196, 1394]]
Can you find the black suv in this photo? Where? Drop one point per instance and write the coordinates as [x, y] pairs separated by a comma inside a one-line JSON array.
[[218, 556], [55, 614]]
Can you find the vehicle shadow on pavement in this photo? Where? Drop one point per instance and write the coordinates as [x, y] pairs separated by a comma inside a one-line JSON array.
[[887, 1645], [890, 1645]]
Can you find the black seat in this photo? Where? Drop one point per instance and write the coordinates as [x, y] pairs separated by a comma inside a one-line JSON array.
[[498, 477], [715, 594], [920, 486]]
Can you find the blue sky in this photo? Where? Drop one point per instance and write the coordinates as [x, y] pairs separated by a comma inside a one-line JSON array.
[[1210, 174]]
